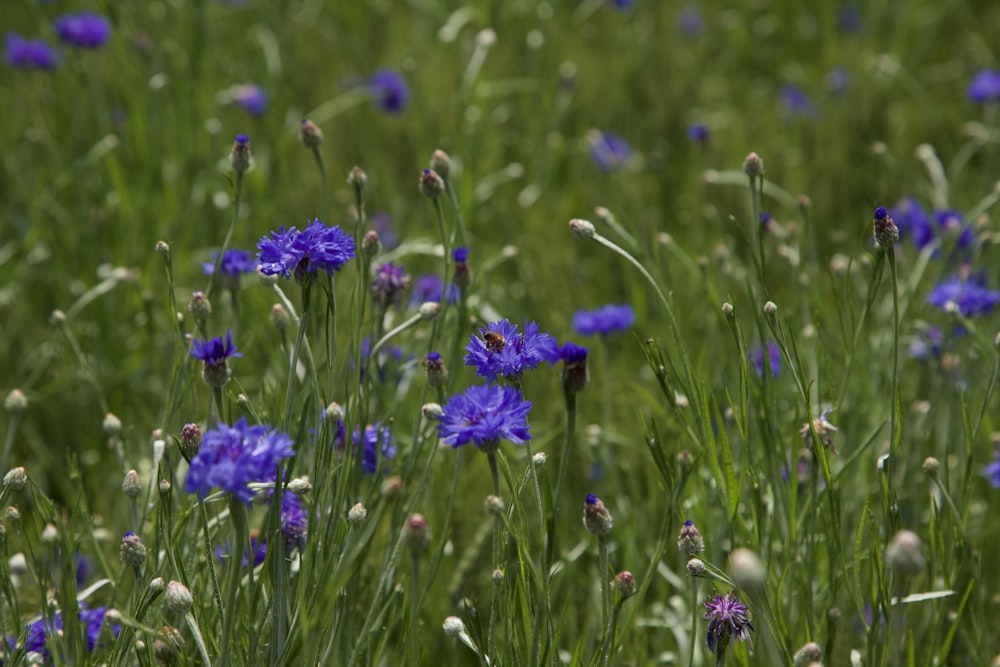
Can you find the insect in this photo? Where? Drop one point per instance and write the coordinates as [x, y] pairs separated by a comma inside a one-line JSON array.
[[494, 341]]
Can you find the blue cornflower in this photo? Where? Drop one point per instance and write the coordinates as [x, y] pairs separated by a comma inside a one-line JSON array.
[[756, 356], [609, 151], [214, 353], [28, 53], [258, 548], [970, 295], [85, 29], [952, 223], [377, 444], [992, 470], [301, 254], [926, 342], [912, 221], [502, 352], [484, 415], [605, 320], [251, 97], [389, 91], [574, 358], [40, 631], [796, 101], [698, 132], [294, 520], [428, 288], [690, 22], [727, 618], [232, 457], [234, 264], [985, 86], [390, 282], [463, 274]]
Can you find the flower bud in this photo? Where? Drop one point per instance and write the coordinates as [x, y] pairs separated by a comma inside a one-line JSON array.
[[358, 179], [392, 487], [334, 412], [300, 486], [463, 275], [200, 307], [12, 515], [15, 479], [582, 229], [886, 233], [690, 542], [309, 134], [431, 185], [266, 279], [167, 645], [279, 317], [903, 554], [441, 163], [164, 487], [807, 655], [190, 441], [753, 166], [50, 533], [747, 569], [416, 532], [931, 466], [437, 374], [178, 598], [163, 248], [16, 402], [493, 505], [497, 576], [357, 514], [453, 626], [432, 410], [625, 583], [240, 157], [429, 310], [596, 517], [695, 567], [133, 551], [132, 485], [770, 309], [371, 244], [112, 425]]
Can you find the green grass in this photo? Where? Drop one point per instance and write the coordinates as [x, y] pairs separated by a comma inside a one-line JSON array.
[[125, 146]]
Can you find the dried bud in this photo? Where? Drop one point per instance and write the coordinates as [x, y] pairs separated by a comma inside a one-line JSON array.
[[240, 157], [431, 185], [690, 542], [15, 479], [133, 552], [596, 517], [309, 134], [416, 532], [178, 598], [132, 485], [582, 229]]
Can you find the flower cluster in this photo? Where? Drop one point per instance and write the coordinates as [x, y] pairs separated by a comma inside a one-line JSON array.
[[970, 296], [605, 320], [28, 53], [484, 415], [727, 618], [37, 633], [502, 352], [303, 253], [233, 457]]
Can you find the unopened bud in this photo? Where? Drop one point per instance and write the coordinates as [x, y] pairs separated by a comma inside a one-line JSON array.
[[309, 134], [885, 231], [167, 645], [903, 554], [334, 412], [770, 309], [493, 505], [441, 163], [12, 515], [133, 551], [15, 479], [371, 244], [156, 585], [596, 517], [163, 248], [931, 466], [437, 374], [392, 487], [453, 626], [690, 542], [582, 229], [164, 487], [429, 310], [190, 441], [132, 485], [696, 567], [50, 533], [807, 655], [357, 514], [432, 410], [416, 532], [431, 185], [200, 307], [178, 598], [753, 166], [497, 576], [279, 317], [357, 178], [240, 157], [300, 486], [266, 279], [16, 402], [747, 568], [625, 583], [112, 425]]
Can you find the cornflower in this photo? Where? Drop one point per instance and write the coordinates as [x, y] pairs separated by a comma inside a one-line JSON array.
[[500, 351], [484, 415], [303, 253]]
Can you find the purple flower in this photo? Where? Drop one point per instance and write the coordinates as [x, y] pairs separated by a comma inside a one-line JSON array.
[[796, 101], [251, 97], [234, 263], [377, 445], [698, 132], [29, 53], [460, 254], [970, 295], [389, 91], [690, 22], [727, 618], [214, 351], [37, 633], [294, 521], [605, 320], [232, 457], [500, 351], [258, 548], [428, 288], [756, 356], [913, 221], [849, 20], [389, 284], [926, 343], [609, 151], [303, 253], [484, 415], [85, 29], [985, 86], [574, 358], [992, 471]]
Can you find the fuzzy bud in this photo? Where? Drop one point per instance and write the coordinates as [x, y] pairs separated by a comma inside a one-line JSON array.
[[596, 517], [432, 410], [582, 229], [309, 134], [886, 233], [753, 166], [453, 626], [279, 317], [625, 583], [357, 514], [50, 533], [16, 402], [903, 554], [696, 567], [931, 466], [300, 486], [334, 412], [239, 156], [200, 307], [540, 459], [358, 179], [429, 310], [441, 163], [164, 487], [371, 244], [112, 425], [15, 479], [807, 655], [690, 542], [133, 551], [493, 505], [167, 645], [178, 598], [431, 185], [685, 461], [498, 576], [747, 569], [156, 585], [416, 532], [266, 279], [770, 308], [190, 441], [163, 249], [132, 485], [12, 515]]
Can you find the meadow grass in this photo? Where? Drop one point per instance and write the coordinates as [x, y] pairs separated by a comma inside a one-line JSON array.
[[790, 431]]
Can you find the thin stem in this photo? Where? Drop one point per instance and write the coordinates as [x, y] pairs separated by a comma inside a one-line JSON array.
[[413, 644], [290, 387], [214, 278], [237, 552], [495, 596], [894, 415], [694, 621], [567, 443], [210, 558], [322, 176], [602, 564]]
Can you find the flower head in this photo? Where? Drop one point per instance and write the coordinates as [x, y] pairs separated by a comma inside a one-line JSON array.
[[389, 91], [886, 233], [596, 517], [690, 22], [377, 445], [37, 633], [605, 320], [849, 20], [727, 618], [985, 86], [84, 29], [258, 550], [824, 431], [251, 97], [390, 282], [756, 356], [29, 53], [294, 521], [970, 296], [214, 353], [500, 351], [992, 470], [574, 358], [302, 253], [234, 263], [699, 133], [609, 151], [796, 101], [232, 457], [484, 415], [428, 288]]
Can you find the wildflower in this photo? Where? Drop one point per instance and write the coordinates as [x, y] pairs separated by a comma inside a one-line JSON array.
[[302, 253], [240, 157], [258, 550], [824, 431], [132, 485], [437, 374], [428, 288], [28, 53], [133, 551], [431, 185], [85, 29], [251, 97], [596, 517], [756, 356], [294, 521], [234, 264], [690, 542], [886, 233], [992, 471], [377, 444], [500, 351], [389, 91], [985, 86], [796, 101], [309, 134], [608, 151], [574, 358], [699, 133], [39, 632], [903, 554], [605, 320], [416, 532], [232, 457], [970, 296], [484, 415], [625, 583], [214, 353], [390, 282], [178, 597], [727, 618], [463, 275], [690, 22], [371, 244]]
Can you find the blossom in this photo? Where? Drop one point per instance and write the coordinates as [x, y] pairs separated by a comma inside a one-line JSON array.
[[303, 253], [294, 520], [992, 471], [971, 295], [214, 351], [985, 86], [251, 97], [233, 457], [234, 264], [500, 351], [926, 342], [85, 29], [849, 20], [605, 320], [28, 53], [376, 445], [484, 415], [574, 358], [391, 280], [727, 618], [796, 101], [428, 288], [698, 132], [756, 356], [389, 91], [38, 632], [609, 151], [258, 548]]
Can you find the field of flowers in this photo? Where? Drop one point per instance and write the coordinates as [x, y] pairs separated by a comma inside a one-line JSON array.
[[608, 332]]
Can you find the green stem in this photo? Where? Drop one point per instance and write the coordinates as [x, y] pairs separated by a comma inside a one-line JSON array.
[[894, 417], [694, 621], [495, 596], [210, 559], [602, 565], [234, 571], [214, 278], [323, 182], [567, 443], [300, 336], [413, 644]]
